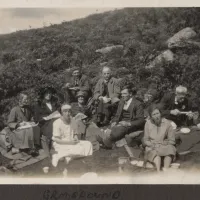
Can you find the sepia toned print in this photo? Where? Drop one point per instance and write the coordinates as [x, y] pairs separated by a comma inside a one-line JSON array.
[[104, 93]]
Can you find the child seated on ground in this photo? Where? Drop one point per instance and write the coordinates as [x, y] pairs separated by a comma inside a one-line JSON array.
[[65, 142]]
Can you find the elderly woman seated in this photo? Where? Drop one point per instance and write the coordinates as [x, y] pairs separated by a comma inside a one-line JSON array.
[[26, 135], [159, 139], [65, 141]]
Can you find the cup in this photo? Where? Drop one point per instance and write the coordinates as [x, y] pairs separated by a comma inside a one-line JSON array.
[[46, 170]]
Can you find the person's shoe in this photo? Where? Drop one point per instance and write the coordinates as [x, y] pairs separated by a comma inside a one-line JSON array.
[[33, 152], [15, 150]]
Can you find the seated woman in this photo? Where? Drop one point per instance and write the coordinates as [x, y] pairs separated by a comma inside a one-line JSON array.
[[65, 141], [24, 138], [45, 107], [159, 139], [80, 106]]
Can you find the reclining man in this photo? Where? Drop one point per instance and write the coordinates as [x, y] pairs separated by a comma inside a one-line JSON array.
[[129, 117]]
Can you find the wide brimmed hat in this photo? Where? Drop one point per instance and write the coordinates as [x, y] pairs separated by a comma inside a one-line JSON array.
[[115, 100]]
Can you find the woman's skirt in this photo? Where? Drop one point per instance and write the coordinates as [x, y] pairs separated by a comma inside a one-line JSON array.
[[162, 150], [26, 138], [81, 149]]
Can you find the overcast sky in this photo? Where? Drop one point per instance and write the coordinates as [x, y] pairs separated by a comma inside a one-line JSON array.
[[13, 19]]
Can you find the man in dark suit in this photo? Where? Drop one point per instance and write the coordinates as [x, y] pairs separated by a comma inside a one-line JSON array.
[[78, 82], [177, 107], [129, 117]]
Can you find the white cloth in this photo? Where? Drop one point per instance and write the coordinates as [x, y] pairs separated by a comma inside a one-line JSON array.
[[49, 106], [65, 132], [127, 104]]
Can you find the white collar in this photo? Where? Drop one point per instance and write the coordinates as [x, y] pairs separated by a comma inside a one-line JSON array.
[[127, 104]]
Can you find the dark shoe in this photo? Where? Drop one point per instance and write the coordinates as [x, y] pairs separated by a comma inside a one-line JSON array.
[[33, 152]]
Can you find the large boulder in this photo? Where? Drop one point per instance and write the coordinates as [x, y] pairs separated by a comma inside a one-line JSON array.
[[105, 50], [166, 56], [179, 38]]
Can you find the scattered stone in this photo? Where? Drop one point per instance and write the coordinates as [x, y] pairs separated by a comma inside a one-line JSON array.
[[105, 50], [183, 35], [166, 56]]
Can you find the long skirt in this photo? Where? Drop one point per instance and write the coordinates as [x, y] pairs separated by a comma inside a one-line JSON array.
[[81, 149], [26, 138], [163, 150]]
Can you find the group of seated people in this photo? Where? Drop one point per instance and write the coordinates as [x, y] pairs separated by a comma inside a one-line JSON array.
[[109, 105]]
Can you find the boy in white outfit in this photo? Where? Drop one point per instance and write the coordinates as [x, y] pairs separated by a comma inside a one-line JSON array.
[[65, 141]]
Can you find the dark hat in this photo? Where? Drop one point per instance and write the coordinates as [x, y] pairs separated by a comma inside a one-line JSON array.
[[80, 94]]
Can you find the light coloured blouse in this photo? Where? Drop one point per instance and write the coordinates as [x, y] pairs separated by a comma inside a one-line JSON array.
[[62, 130], [154, 134]]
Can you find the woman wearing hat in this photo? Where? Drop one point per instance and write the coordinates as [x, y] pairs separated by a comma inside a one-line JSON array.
[[80, 106], [46, 106]]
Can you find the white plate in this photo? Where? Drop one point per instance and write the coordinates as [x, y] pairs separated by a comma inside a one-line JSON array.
[[185, 130]]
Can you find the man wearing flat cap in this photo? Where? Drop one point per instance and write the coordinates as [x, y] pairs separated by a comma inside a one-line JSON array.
[[78, 82]]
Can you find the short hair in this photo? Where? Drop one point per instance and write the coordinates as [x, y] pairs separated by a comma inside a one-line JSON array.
[[129, 88], [21, 95], [181, 90], [153, 107]]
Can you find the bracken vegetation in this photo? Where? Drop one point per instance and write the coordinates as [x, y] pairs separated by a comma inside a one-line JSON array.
[[143, 32]]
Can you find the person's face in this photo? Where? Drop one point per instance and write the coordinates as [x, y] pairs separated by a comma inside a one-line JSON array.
[[76, 74], [66, 113], [25, 100], [81, 99], [48, 96], [147, 98], [180, 97], [156, 116], [126, 95], [130, 77], [106, 74]]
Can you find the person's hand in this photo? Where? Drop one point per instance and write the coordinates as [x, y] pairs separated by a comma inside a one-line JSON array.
[[175, 112], [100, 98], [22, 123], [76, 88], [123, 123], [113, 124], [67, 85], [190, 115]]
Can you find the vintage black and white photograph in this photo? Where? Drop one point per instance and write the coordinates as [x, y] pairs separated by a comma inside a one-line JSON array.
[[98, 94]]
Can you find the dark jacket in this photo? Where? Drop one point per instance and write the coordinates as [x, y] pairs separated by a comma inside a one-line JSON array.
[[136, 114], [113, 88], [42, 110], [76, 109], [167, 104], [17, 116], [84, 83]]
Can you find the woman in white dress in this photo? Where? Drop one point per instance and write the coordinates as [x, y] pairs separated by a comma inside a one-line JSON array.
[[65, 141]]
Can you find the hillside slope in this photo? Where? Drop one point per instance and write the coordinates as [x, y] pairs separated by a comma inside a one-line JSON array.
[[142, 32]]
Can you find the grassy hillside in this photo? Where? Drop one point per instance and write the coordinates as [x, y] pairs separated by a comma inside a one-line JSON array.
[[142, 32]]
